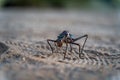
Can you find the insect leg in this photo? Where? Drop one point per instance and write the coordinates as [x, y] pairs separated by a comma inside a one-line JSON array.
[[79, 48], [66, 50], [56, 46], [86, 36], [48, 41], [71, 47]]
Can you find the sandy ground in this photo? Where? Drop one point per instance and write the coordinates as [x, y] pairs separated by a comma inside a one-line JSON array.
[[25, 54]]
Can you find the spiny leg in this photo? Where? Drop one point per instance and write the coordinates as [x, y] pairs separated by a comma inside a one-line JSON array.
[[86, 36], [48, 40]]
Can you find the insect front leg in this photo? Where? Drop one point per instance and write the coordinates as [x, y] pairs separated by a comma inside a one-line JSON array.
[[48, 41]]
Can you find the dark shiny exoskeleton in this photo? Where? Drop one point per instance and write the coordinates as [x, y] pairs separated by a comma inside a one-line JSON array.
[[67, 38]]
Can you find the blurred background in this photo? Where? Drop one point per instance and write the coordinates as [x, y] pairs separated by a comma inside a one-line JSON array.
[[93, 17], [62, 4], [45, 13]]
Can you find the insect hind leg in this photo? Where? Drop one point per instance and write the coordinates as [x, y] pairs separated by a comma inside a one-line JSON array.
[[84, 36]]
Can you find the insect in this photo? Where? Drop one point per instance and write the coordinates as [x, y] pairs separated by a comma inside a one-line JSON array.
[[67, 38]]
